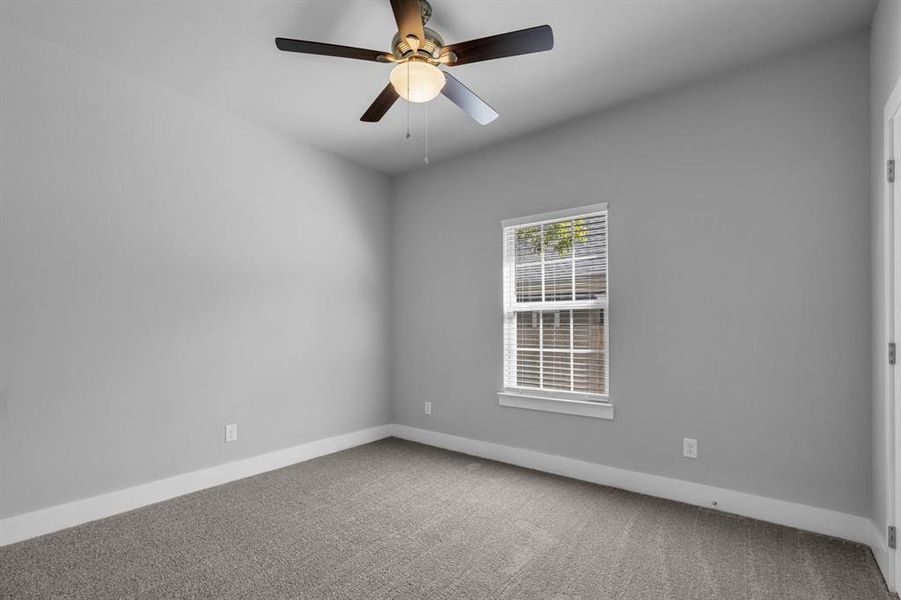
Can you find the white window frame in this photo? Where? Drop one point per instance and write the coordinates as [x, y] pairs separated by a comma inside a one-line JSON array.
[[585, 405]]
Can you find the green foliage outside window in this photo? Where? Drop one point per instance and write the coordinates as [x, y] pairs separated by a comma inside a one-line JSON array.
[[557, 236]]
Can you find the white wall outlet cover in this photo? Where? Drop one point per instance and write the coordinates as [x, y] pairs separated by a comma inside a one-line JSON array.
[[690, 448], [428, 408], [231, 432]]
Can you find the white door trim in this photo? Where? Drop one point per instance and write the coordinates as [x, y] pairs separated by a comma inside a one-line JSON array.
[[892, 315]]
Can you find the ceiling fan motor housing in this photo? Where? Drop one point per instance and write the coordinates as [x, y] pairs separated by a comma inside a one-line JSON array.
[[425, 9], [430, 49]]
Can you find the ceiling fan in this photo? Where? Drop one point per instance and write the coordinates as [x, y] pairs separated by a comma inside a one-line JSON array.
[[417, 51]]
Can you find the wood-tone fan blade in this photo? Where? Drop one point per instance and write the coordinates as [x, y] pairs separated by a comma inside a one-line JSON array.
[[466, 99], [305, 47], [409, 20], [381, 105], [524, 41]]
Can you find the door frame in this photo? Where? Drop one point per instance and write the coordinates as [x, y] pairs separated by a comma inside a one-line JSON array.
[[891, 211]]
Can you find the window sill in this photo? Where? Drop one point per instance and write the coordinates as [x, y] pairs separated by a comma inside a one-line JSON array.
[[581, 408]]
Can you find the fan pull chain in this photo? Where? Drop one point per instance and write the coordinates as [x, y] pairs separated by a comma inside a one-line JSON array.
[[427, 132], [408, 101]]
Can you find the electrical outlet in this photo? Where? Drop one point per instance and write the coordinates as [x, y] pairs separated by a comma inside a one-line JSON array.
[[428, 408], [689, 448], [231, 433]]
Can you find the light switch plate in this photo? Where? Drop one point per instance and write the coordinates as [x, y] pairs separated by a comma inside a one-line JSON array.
[[231, 432]]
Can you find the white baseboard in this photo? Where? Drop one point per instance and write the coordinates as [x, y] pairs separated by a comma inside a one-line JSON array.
[[801, 516], [810, 518], [54, 518]]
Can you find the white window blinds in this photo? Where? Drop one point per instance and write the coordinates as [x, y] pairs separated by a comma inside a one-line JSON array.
[[555, 306]]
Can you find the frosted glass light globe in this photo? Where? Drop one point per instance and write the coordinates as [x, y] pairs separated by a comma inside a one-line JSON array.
[[425, 81]]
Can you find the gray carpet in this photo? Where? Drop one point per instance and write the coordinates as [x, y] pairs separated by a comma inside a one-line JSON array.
[[399, 520]]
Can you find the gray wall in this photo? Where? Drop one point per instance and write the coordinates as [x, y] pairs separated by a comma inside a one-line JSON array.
[[885, 68], [166, 269], [740, 281]]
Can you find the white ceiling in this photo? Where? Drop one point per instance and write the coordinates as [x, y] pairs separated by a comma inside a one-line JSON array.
[[222, 53]]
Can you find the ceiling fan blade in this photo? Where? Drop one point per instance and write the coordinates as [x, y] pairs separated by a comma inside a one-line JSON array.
[[514, 43], [381, 105], [466, 99], [409, 20], [306, 47]]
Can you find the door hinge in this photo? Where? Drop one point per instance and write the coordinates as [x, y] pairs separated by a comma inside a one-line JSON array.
[[892, 537], [890, 170], [892, 354]]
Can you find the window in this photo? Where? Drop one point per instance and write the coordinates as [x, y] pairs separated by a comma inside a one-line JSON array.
[[555, 312]]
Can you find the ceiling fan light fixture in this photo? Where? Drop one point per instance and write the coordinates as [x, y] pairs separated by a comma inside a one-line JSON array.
[[417, 81], [417, 51]]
